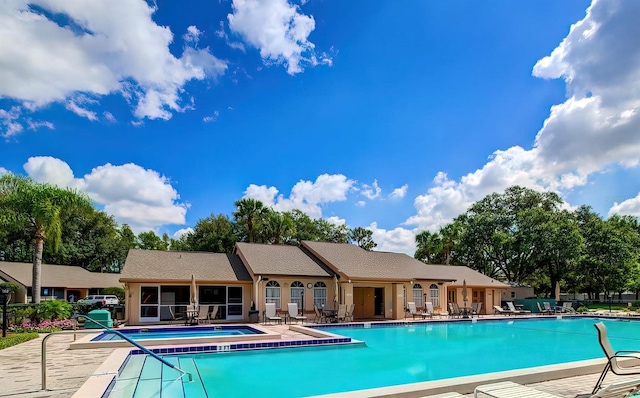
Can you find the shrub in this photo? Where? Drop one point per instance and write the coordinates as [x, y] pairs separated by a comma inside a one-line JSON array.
[[54, 309], [43, 327], [18, 313], [635, 304], [15, 339], [583, 309]]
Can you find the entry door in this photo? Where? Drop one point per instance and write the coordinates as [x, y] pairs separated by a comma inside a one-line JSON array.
[[149, 303], [234, 303]]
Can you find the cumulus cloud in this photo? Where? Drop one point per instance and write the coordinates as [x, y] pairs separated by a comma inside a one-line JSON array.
[[400, 240], [140, 197], [279, 31], [372, 191], [306, 196], [630, 207], [594, 129], [182, 231], [211, 118], [335, 220], [399, 193], [361, 203], [64, 48], [3, 171], [108, 116]]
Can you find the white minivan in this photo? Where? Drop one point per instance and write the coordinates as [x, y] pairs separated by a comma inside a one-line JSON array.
[[107, 300]]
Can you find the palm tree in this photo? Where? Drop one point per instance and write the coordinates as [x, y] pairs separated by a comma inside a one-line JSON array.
[[36, 208], [248, 213], [429, 246], [280, 227]]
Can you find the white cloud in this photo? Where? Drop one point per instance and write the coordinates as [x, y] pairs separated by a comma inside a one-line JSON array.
[[372, 191], [211, 118], [3, 171], [306, 196], [279, 31], [75, 108], [98, 50], [630, 207], [399, 193], [335, 220], [221, 33], [140, 197], [192, 36], [398, 240], [182, 231], [108, 116], [594, 129], [361, 203]]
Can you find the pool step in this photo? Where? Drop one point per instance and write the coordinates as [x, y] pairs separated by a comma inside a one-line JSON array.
[[195, 388], [127, 380]]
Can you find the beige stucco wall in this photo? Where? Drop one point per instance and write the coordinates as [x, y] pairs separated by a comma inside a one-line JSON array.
[[132, 294], [285, 291]]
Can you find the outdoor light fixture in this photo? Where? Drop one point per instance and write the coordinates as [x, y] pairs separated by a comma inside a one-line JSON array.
[[5, 290]]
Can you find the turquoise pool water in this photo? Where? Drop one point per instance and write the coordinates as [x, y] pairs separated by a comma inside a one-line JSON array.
[[178, 332], [402, 354]]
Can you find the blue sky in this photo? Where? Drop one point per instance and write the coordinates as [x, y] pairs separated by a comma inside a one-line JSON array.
[[394, 116]]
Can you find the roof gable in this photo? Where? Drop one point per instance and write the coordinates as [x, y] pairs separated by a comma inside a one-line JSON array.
[[178, 266], [279, 260], [53, 275]]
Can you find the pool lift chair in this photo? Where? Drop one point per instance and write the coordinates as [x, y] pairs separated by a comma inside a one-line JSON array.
[[613, 357]]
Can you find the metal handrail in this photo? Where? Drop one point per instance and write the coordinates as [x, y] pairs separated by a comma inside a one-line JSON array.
[[104, 330]]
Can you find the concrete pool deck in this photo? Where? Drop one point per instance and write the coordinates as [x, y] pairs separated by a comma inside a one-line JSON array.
[[68, 370]]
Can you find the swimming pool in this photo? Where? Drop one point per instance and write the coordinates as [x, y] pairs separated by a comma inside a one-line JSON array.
[[395, 355]]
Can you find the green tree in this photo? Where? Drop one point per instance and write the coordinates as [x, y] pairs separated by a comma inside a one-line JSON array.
[[496, 238], [363, 238], [428, 247], [37, 208], [151, 241], [212, 234], [249, 212]]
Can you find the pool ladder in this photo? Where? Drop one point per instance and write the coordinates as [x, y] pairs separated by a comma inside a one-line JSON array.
[[104, 330]]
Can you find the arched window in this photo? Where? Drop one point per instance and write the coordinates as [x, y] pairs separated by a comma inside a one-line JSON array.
[[434, 294], [417, 295], [272, 292], [320, 294], [297, 290]]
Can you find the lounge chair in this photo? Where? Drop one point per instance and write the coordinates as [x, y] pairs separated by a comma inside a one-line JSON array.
[[620, 389], [513, 309], [567, 306], [544, 311], [613, 357], [203, 314], [174, 317], [270, 313], [411, 306], [547, 307], [293, 312], [509, 389], [499, 310], [320, 317], [454, 310], [476, 308], [349, 316], [428, 309], [342, 313]]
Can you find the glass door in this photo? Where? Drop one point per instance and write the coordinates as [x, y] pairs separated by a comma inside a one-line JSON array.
[[149, 303], [234, 303]]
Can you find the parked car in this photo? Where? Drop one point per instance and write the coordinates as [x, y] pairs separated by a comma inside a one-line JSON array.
[[106, 300]]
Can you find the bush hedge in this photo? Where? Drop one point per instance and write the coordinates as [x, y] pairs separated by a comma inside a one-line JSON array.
[[15, 339]]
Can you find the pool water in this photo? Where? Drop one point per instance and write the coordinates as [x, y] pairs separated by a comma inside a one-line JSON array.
[[404, 354], [178, 332]]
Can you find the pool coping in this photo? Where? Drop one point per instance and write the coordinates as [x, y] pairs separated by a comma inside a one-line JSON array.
[[87, 340]]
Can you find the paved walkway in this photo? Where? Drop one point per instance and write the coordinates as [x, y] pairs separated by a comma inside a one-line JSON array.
[[67, 370]]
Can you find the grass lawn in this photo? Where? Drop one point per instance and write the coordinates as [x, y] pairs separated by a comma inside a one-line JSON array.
[[16, 338]]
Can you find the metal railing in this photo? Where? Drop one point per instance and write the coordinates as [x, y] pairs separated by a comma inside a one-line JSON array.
[[104, 330]]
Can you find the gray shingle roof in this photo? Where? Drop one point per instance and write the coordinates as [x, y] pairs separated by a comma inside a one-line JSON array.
[[161, 265], [356, 263], [59, 276], [279, 260]]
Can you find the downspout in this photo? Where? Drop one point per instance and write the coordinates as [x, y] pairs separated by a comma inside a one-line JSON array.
[[257, 291]]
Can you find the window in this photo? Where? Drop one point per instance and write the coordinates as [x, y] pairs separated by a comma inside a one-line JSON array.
[[417, 295], [320, 294], [273, 293], [297, 290], [434, 294]]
